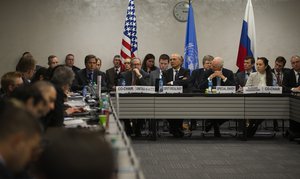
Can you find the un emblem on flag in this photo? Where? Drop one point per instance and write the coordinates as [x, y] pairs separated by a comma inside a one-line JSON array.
[[191, 56]]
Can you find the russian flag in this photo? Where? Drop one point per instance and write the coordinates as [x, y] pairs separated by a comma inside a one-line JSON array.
[[248, 38]]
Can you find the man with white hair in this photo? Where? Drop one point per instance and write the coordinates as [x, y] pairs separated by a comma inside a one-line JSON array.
[[220, 77]]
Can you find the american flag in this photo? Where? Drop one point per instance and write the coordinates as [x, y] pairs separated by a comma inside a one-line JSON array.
[[129, 41]]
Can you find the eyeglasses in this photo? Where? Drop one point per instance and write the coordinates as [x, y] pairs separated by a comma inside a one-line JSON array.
[[126, 62]]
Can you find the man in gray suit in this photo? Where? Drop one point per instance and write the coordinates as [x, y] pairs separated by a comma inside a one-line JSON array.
[[164, 61], [242, 76]]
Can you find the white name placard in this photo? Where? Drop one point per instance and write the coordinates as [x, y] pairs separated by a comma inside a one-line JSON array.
[[145, 89], [252, 89], [172, 89], [272, 89], [125, 89], [135, 89], [225, 89]]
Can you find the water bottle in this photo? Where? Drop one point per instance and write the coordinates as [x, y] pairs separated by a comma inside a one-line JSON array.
[[160, 84], [123, 82], [210, 85], [84, 91]]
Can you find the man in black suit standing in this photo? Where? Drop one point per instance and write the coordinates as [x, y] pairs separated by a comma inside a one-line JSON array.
[[89, 74], [113, 74], [220, 77], [177, 76], [291, 83]]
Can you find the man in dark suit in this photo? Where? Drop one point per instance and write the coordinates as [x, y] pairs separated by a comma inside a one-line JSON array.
[[69, 61], [136, 76], [19, 144], [291, 83], [242, 76], [164, 61], [279, 72], [196, 78], [113, 74], [279, 69], [177, 76], [197, 74], [89, 74], [26, 66], [220, 77]]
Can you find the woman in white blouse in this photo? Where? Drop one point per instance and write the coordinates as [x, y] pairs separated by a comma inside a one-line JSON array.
[[263, 76]]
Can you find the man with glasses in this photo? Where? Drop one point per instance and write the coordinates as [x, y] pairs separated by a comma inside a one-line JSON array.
[[134, 77], [89, 74]]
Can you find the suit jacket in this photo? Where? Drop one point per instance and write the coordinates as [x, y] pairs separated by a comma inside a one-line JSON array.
[[254, 79], [55, 118], [182, 73], [75, 69], [195, 79], [227, 73], [284, 71], [112, 79], [82, 80], [240, 79], [289, 81], [127, 76]]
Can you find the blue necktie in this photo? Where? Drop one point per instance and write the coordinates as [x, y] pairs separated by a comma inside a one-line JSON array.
[[218, 81]]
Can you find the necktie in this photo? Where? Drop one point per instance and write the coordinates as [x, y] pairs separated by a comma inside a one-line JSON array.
[[278, 77], [116, 76], [247, 76], [218, 81], [90, 77], [133, 82], [176, 75]]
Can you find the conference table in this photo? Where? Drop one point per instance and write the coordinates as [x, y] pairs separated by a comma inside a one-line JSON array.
[[240, 107], [127, 163]]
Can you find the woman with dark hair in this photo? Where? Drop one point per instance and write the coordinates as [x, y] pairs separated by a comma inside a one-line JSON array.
[[263, 77], [148, 63]]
